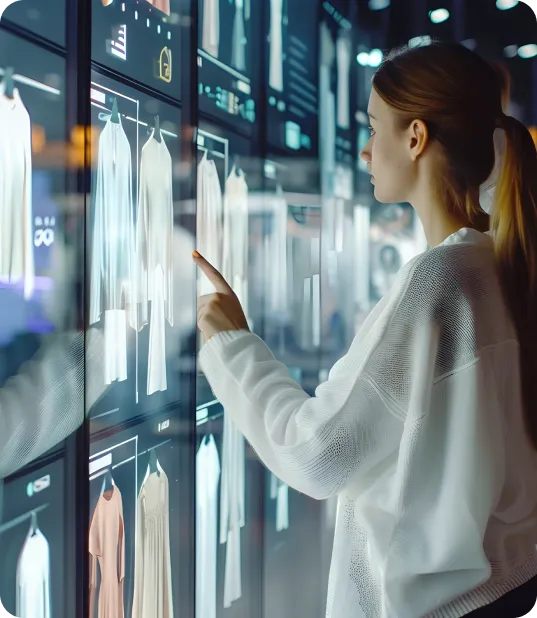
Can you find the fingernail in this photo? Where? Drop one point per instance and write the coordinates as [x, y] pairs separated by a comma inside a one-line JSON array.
[[196, 254]]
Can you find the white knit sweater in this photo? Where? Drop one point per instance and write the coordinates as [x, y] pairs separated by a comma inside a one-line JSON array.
[[418, 430]]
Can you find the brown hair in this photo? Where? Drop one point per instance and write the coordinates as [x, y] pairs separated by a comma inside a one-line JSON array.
[[460, 97]]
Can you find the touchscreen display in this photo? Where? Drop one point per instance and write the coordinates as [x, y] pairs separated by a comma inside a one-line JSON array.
[[292, 76], [141, 275], [142, 39], [139, 485], [33, 298], [228, 57], [337, 84], [46, 19], [32, 544]]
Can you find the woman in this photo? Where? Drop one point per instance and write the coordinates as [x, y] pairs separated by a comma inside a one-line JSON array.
[[426, 430]]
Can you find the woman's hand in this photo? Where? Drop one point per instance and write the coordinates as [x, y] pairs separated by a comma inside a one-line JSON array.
[[221, 311]]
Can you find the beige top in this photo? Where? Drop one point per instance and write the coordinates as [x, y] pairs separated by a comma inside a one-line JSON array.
[[107, 546]]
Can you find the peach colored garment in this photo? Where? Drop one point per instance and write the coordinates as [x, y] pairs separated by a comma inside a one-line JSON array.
[[161, 5], [107, 546]]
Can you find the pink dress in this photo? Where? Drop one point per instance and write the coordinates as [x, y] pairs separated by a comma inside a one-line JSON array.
[[107, 547]]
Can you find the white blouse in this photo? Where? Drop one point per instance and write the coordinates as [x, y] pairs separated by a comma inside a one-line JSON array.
[[16, 220]]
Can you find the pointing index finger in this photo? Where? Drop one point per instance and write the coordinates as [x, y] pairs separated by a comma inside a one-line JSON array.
[[220, 284]]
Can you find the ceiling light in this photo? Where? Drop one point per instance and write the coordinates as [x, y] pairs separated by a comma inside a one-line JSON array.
[[505, 5], [420, 41], [439, 15], [511, 51], [528, 51], [375, 58], [363, 59], [379, 5]]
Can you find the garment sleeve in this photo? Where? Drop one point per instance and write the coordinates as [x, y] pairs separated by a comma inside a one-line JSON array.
[[139, 547], [46, 580], [29, 268], [140, 269], [19, 586], [131, 282], [227, 231], [44, 403], [98, 241], [315, 444], [169, 256], [121, 548], [225, 494], [323, 444], [168, 601]]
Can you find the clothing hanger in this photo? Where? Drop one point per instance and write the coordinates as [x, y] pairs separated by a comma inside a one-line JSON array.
[[34, 527], [153, 463], [8, 83], [115, 113], [108, 482], [236, 165], [156, 133]]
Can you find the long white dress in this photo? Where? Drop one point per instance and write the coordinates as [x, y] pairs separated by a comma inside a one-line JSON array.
[[279, 491], [232, 508], [232, 491], [112, 286], [343, 53], [152, 570], [154, 264], [276, 45], [210, 39], [33, 578], [209, 220], [238, 51], [16, 220], [276, 264], [207, 478], [235, 238]]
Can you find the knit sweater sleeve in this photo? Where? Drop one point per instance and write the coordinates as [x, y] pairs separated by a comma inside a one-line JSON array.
[[342, 436]]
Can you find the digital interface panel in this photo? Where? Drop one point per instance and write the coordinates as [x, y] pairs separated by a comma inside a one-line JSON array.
[[32, 117], [228, 59], [338, 82], [292, 76], [32, 543], [141, 283], [142, 40], [135, 472]]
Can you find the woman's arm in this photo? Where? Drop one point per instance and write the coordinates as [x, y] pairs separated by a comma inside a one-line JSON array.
[[315, 444]]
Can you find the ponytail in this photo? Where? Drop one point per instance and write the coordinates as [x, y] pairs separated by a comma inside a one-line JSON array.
[[514, 227]]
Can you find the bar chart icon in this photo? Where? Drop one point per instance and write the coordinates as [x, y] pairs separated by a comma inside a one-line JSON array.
[[117, 45]]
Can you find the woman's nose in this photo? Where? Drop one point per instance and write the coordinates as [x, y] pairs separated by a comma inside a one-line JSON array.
[[365, 155]]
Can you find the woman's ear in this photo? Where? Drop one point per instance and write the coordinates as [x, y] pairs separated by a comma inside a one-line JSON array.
[[419, 138]]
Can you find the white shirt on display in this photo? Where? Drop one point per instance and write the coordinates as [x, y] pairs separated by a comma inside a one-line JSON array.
[[33, 578]]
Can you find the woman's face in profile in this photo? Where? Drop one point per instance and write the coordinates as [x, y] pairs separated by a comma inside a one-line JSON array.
[[387, 153]]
